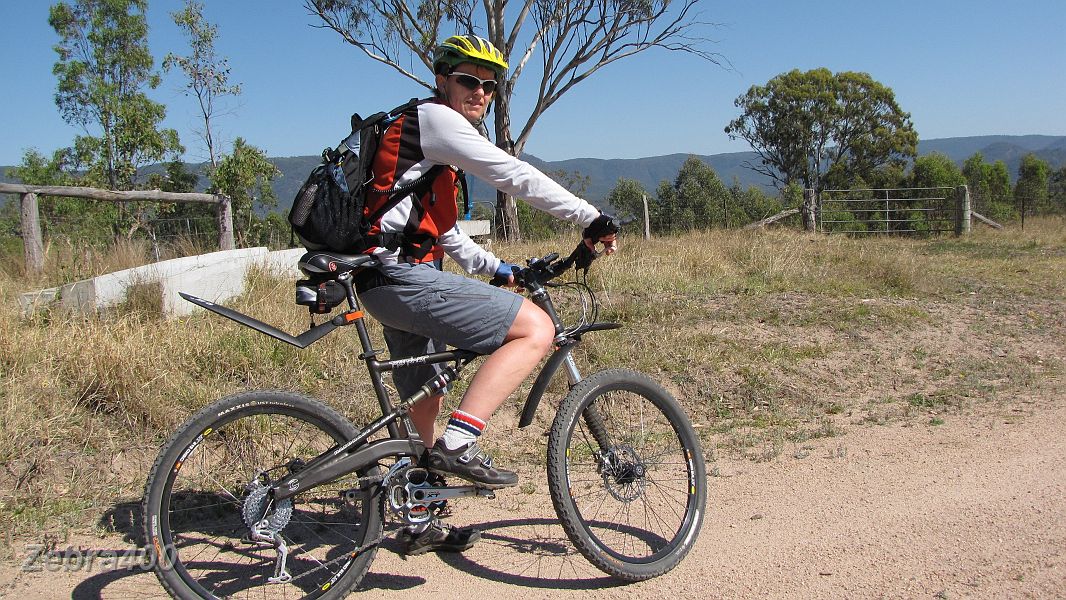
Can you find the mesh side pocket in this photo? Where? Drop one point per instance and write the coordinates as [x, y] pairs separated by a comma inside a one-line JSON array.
[[305, 201]]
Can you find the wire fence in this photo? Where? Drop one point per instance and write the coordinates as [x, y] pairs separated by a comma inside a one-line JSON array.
[[185, 229]]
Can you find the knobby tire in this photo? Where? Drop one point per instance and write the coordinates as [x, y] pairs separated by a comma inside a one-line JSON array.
[[633, 509], [198, 488]]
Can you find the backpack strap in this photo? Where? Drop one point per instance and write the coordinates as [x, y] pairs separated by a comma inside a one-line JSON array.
[[358, 123], [466, 191], [413, 102], [408, 242]]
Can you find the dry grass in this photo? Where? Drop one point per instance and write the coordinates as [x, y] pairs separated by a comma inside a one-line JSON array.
[[66, 261], [768, 338]]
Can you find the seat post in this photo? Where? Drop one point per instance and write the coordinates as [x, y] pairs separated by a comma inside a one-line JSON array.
[[345, 279]]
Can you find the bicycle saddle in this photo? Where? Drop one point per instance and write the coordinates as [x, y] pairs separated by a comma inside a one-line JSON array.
[[318, 263]]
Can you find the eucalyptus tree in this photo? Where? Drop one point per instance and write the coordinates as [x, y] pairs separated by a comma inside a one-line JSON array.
[[244, 175], [1031, 189], [207, 73], [989, 187], [802, 125], [696, 199], [936, 170], [627, 198], [560, 43], [103, 70], [1057, 190]]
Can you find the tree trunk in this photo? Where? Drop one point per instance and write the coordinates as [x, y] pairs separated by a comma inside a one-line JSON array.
[[506, 212], [809, 210]]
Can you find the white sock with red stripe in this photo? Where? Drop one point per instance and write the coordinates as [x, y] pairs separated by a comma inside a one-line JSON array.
[[463, 428]]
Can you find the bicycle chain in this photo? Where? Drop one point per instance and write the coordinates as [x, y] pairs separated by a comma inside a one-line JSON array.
[[345, 556]]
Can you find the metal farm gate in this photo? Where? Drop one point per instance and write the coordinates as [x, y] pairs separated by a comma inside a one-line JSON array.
[[894, 211]]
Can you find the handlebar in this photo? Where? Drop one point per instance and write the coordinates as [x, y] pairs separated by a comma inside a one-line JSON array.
[[540, 271]]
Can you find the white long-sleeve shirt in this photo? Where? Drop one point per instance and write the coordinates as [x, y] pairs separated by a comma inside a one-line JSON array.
[[439, 135]]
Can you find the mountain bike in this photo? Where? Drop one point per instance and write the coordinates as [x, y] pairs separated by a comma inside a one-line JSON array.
[[273, 493]]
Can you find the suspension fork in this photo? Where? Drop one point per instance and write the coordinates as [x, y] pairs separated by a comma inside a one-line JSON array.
[[594, 419], [591, 415]]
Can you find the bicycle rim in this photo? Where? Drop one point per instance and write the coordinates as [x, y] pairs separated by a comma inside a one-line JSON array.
[[207, 499], [633, 504]]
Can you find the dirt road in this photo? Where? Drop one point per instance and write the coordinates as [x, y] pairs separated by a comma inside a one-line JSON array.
[[972, 508]]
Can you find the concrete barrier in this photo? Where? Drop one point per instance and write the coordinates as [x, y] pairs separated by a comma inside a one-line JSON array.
[[219, 282], [31, 302], [216, 282], [215, 276], [475, 228], [110, 290], [284, 262]]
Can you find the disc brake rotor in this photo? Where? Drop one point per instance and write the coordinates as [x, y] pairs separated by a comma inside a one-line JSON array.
[[623, 474]]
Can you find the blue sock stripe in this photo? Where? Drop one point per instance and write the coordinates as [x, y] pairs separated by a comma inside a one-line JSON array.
[[457, 424]]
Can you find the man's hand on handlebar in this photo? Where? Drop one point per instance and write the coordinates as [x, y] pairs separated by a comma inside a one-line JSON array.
[[602, 230], [504, 276]]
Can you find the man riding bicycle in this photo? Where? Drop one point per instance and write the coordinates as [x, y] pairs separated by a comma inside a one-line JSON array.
[[424, 309]]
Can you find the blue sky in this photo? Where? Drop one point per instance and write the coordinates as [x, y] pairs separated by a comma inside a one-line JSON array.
[[960, 69]]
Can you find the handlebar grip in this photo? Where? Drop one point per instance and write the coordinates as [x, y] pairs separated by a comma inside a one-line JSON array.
[[503, 275], [583, 256]]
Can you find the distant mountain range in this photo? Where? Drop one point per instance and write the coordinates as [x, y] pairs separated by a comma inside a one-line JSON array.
[[604, 173]]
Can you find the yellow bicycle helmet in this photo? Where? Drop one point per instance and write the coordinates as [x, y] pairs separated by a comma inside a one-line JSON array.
[[467, 48]]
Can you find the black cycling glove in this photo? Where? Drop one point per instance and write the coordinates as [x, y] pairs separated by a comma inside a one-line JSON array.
[[599, 227]]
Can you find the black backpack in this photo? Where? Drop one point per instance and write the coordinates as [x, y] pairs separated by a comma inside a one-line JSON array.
[[327, 213]]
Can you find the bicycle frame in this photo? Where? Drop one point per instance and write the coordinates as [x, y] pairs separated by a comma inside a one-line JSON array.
[[358, 452]]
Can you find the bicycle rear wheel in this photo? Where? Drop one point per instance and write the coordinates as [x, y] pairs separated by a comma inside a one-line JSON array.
[[626, 474], [210, 480]]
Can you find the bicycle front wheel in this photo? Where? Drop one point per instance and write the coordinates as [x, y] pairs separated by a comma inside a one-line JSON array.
[[208, 489], [626, 474]]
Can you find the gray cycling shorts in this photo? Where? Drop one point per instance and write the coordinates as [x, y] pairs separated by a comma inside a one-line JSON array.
[[423, 310]]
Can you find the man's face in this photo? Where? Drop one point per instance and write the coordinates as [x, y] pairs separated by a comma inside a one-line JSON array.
[[471, 103]]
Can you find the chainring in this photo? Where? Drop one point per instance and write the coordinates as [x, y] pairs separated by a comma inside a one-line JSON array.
[[400, 484]]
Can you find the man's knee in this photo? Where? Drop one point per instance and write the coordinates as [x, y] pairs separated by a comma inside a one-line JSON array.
[[535, 327], [543, 333]]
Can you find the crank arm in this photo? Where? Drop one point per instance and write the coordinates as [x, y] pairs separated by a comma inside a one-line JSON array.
[[435, 494]]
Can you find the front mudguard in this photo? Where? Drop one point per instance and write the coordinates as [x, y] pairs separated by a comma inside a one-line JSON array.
[[556, 360]]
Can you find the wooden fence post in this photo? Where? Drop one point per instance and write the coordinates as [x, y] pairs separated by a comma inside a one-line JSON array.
[[32, 240], [225, 223], [962, 210], [647, 219]]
